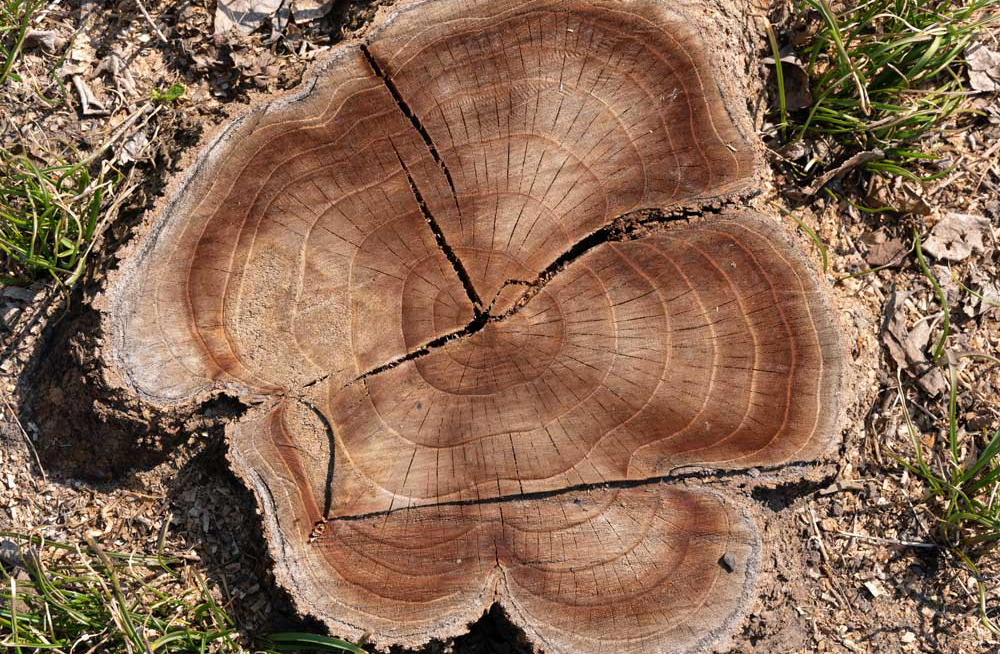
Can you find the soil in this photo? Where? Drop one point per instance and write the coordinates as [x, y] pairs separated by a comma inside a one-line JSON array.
[[840, 571]]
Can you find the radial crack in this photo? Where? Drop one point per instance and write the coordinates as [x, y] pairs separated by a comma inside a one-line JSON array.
[[456, 263], [328, 429], [706, 476], [622, 228], [474, 326]]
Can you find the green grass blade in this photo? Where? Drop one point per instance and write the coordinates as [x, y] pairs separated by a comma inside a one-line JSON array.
[[294, 641]]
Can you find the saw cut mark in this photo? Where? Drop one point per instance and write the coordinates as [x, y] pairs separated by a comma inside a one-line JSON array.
[[467, 276]]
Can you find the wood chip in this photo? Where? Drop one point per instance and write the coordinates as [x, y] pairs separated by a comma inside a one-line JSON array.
[[874, 588]]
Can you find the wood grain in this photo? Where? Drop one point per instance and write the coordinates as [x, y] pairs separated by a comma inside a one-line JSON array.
[[634, 569], [477, 360]]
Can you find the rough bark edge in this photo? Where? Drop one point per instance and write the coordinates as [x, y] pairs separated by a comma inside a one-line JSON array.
[[202, 153], [723, 636], [177, 197]]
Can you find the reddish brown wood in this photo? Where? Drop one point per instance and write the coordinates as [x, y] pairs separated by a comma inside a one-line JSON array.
[[428, 265]]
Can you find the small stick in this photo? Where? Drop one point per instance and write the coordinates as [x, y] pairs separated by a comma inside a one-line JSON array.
[[819, 537], [887, 541], [986, 169], [161, 540], [149, 19], [826, 561]]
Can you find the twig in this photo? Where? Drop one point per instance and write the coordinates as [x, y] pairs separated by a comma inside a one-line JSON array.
[[89, 105], [27, 439], [819, 537], [122, 128], [888, 541], [859, 159], [826, 561], [149, 19]]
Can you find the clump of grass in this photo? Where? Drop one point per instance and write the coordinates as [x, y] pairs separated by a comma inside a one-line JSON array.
[[15, 19], [963, 491], [883, 74], [962, 477], [81, 598], [49, 216]]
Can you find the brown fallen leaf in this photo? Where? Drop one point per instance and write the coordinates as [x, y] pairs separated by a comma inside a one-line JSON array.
[[985, 297], [133, 148], [796, 82], [886, 252], [993, 209], [116, 66], [957, 236], [306, 10], [900, 195], [907, 348], [47, 40]]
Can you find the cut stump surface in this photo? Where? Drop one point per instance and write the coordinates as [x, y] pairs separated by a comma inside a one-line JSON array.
[[479, 362]]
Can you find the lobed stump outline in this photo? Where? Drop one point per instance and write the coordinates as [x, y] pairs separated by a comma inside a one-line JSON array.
[[485, 362]]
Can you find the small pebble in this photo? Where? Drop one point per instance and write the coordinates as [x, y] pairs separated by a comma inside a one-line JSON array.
[[10, 554], [728, 562]]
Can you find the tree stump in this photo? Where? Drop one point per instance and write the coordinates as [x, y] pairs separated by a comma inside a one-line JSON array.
[[480, 348]]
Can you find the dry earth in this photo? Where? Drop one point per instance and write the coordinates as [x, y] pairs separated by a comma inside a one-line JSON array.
[[841, 572]]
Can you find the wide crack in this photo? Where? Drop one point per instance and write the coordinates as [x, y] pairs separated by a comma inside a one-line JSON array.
[[621, 228], [697, 474], [439, 237]]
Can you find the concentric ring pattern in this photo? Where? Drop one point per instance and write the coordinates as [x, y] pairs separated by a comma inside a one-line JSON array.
[[413, 262]]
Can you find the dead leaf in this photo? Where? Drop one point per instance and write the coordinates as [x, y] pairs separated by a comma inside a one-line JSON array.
[[90, 104], [984, 68], [244, 15], [986, 297], [114, 64], [952, 291], [133, 147], [898, 194], [307, 10], [957, 236], [907, 348], [883, 252], [48, 40], [279, 21], [795, 150], [796, 82], [993, 210], [875, 588]]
